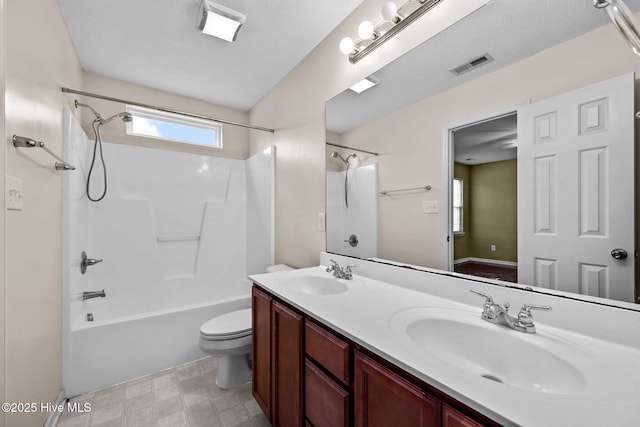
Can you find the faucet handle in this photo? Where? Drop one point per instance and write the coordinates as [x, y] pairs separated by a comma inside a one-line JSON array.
[[488, 298], [529, 307], [525, 317], [347, 271]]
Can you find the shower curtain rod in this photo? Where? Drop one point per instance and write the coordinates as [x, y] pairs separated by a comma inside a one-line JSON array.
[[351, 148], [166, 110]]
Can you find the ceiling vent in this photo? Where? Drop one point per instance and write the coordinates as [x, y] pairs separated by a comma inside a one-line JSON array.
[[470, 65]]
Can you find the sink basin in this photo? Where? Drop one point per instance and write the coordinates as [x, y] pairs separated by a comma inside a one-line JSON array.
[[492, 352], [316, 285]]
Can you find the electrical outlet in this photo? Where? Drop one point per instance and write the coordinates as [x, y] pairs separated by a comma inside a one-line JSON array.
[[14, 193], [321, 222], [430, 206], [493, 248]]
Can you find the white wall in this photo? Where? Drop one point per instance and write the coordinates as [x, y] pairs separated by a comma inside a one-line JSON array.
[[39, 60], [235, 138]]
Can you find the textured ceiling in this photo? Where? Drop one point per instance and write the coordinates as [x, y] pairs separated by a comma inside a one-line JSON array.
[[486, 142], [509, 30], [155, 43]]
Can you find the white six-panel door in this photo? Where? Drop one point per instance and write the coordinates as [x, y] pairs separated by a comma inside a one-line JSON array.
[[576, 190]]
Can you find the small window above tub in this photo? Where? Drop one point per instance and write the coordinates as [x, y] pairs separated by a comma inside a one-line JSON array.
[[174, 127]]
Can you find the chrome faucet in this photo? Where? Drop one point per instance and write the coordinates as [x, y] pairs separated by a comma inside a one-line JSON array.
[[87, 262], [93, 294], [339, 272], [495, 313]]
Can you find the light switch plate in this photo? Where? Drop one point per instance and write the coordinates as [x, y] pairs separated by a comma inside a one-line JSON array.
[[430, 206], [13, 193]]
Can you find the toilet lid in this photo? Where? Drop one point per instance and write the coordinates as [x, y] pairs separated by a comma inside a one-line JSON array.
[[229, 325]]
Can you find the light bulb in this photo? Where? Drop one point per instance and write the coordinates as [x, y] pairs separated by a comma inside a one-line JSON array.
[[389, 11], [365, 30], [346, 45]]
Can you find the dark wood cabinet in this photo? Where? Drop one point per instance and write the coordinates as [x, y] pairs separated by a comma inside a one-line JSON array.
[[277, 360], [305, 374], [383, 398], [329, 351], [261, 383], [453, 418], [287, 357], [327, 403], [327, 377]]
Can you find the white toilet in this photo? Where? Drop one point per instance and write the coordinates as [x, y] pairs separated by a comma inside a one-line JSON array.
[[229, 336]]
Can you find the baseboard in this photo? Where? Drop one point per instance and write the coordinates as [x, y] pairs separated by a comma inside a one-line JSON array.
[[486, 261], [52, 419]]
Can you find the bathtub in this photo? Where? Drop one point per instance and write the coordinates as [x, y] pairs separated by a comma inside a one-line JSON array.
[[178, 234], [107, 352]]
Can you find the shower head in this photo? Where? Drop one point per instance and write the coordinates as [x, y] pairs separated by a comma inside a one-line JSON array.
[[335, 154], [126, 117]]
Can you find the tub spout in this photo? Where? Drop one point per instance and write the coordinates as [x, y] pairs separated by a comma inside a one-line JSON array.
[[93, 294]]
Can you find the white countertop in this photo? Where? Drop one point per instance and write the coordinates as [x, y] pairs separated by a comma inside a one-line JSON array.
[[365, 314]]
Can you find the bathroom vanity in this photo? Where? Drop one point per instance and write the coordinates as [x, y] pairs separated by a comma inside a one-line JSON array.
[[335, 352], [307, 374]]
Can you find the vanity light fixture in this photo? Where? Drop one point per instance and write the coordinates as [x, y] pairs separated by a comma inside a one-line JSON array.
[[394, 20], [364, 84], [623, 20], [220, 21]]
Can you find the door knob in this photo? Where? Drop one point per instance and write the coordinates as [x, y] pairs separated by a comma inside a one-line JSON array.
[[619, 253]]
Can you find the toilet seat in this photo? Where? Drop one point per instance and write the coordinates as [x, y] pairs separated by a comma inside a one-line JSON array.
[[233, 325]]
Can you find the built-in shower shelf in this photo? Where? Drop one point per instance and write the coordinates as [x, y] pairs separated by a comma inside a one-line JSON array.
[[178, 239]]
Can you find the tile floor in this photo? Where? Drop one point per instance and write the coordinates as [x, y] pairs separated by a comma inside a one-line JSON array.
[[182, 396]]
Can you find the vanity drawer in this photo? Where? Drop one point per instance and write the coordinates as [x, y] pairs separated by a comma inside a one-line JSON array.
[[329, 351], [326, 402]]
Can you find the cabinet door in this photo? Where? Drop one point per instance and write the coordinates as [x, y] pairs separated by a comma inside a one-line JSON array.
[[453, 418], [326, 402], [261, 330], [287, 355], [383, 398]]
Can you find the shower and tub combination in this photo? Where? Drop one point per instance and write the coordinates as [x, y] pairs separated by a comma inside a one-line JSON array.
[[352, 207], [177, 234]]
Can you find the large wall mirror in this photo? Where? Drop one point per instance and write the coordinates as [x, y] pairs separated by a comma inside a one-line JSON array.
[[427, 166]]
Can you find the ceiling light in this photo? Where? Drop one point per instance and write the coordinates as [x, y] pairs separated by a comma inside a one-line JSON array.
[[220, 21], [365, 30], [390, 12], [365, 84], [346, 45]]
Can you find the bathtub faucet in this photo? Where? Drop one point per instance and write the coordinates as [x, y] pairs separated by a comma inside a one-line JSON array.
[[93, 294]]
